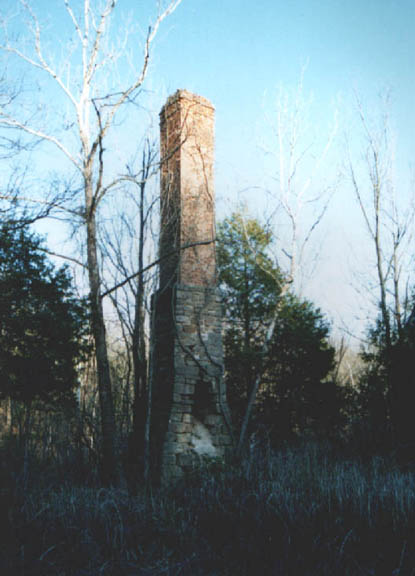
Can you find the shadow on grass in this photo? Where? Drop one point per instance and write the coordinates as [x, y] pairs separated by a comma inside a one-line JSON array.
[[299, 511]]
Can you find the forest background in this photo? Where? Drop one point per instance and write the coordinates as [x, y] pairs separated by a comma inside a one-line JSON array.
[[315, 261]]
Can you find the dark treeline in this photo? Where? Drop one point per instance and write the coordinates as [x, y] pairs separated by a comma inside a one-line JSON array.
[[321, 479], [326, 467], [310, 386]]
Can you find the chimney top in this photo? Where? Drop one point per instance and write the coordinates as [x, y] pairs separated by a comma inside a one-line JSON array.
[[186, 95]]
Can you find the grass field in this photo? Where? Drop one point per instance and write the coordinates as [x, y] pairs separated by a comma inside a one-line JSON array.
[[297, 511]]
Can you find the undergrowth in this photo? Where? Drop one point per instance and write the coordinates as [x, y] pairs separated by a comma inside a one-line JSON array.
[[299, 511]]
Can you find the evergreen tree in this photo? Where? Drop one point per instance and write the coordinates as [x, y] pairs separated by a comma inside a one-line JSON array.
[[387, 387], [403, 387], [250, 285], [297, 395], [42, 322], [295, 392]]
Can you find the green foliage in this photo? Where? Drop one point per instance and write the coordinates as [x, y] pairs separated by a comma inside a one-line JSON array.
[[249, 279], [42, 323], [386, 388], [301, 343], [294, 390], [250, 285], [297, 396], [403, 385]]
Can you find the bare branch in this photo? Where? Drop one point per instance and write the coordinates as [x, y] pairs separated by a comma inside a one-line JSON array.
[[152, 31], [73, 18], [64, 257], [41, 63], [155, 263], [8, 122]]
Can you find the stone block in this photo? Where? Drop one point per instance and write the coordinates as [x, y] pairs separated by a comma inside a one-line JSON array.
[[188, 306], [213, 420], [187, 389], [186, 460], [179, 427], [175, 417], [224, 440]]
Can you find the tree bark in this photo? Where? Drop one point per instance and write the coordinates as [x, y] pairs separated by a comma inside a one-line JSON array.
[[110, 467], [139, 350], [26, 443]]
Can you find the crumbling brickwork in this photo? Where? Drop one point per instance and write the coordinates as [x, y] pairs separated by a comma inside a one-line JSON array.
[[187, 191], [190, 420]]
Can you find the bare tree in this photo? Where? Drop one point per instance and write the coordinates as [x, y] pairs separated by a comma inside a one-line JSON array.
[[80, 136], [299, 163], [300, 193], [388, 223], [128, 249]]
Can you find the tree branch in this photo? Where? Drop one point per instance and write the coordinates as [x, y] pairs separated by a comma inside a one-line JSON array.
[[155, 263]]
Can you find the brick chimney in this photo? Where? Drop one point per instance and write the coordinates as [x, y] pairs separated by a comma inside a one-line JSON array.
[[190, 418]]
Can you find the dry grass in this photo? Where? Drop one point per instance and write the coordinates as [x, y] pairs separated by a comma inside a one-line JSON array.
[[300, 511]]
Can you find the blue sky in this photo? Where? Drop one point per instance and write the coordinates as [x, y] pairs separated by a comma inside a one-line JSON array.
[[238, 52], [234, 51]]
